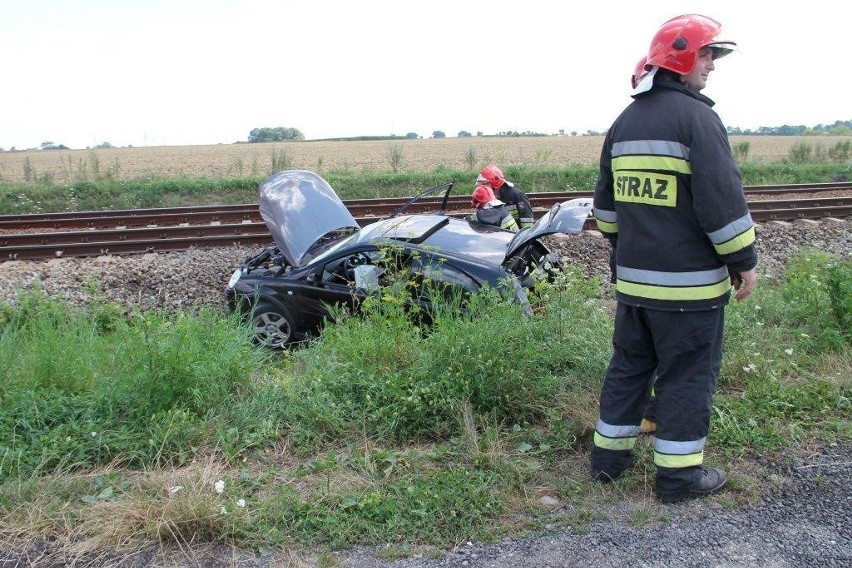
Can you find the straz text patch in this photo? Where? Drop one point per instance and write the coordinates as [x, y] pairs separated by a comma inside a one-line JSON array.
[[645, 187]]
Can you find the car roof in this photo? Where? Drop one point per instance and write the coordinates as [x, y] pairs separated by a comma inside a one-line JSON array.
[[303, 214], [448, 236]]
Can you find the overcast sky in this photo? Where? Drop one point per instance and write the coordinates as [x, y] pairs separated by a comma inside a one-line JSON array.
[[184, 72]]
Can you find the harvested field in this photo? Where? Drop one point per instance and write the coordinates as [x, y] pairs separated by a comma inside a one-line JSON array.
[[224, 161]]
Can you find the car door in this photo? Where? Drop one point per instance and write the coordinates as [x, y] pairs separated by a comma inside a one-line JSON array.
[[331, 283]]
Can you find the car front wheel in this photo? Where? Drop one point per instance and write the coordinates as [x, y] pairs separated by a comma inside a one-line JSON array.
[[272, 325]]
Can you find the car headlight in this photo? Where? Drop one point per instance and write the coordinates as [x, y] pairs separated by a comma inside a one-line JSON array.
[[235, 277]]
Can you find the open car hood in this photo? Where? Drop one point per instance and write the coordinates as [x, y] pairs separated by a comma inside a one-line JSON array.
[[301, 210], [567, 217]]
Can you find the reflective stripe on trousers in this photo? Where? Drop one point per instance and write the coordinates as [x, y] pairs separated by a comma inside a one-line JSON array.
[[612, 437]]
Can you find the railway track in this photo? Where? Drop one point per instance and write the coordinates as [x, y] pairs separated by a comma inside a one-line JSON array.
[[92, 233]]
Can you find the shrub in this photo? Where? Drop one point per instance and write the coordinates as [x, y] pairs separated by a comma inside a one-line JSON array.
[[840, 152], [817, 286], [839, 283], [395, 157], [741, 150], [800, 153]]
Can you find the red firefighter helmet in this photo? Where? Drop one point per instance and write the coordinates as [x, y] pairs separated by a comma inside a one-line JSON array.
[[491, 174], [638, 72], [482, 196], [676, 44]]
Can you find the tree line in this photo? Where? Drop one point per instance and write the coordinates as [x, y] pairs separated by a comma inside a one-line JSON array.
[[839, 128], [289, 134]]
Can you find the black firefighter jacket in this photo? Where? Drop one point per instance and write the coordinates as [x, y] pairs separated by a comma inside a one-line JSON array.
[[670, 194]]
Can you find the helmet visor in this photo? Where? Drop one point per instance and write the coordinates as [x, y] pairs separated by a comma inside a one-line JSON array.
[[721, 48], [481, 180]]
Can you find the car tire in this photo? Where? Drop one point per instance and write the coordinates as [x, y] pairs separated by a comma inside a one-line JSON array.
[[272, 325]]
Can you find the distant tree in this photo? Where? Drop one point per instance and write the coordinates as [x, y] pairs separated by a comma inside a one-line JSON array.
[[411, 136], [52, 146], [464, 134], [573, 133], [104, 145], [479, 133], [438, 134], [276, 134]]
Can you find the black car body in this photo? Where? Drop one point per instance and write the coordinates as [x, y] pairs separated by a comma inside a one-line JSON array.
[[322, 257]]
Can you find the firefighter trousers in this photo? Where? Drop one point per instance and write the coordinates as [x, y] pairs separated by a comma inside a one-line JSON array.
[[683, 350]]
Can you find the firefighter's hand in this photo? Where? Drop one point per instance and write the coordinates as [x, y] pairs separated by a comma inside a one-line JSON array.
[[744, 283]]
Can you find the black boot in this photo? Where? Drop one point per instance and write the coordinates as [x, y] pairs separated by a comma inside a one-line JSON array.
[[608, 465], [707, 481]]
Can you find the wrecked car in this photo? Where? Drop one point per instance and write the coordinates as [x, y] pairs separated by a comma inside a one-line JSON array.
[[321, 257]]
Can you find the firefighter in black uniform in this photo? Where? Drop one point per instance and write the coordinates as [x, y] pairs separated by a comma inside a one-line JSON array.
[[491, 211], [517, 202], [669, 195]]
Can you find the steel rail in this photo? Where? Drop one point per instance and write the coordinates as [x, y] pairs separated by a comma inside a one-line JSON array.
[[206, 214], [17, 245], [765, 209]]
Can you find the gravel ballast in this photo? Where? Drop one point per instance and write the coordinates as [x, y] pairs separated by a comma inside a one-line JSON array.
[[195, 278]]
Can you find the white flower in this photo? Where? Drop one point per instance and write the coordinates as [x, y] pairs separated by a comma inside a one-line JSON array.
[[757, 308], [175, 489], [219, 486], [241, 503], [750, 368], [223, 510], [788, 351], [805, 335], [93, 434]]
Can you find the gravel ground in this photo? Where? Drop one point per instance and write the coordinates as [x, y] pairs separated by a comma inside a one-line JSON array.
[[806, 521]]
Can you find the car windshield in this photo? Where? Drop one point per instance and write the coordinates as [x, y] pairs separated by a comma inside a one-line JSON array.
[[329, 248]]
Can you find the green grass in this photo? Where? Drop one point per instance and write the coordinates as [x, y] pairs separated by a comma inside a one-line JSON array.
[[109, 193], [87, 388], [123, 428]]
